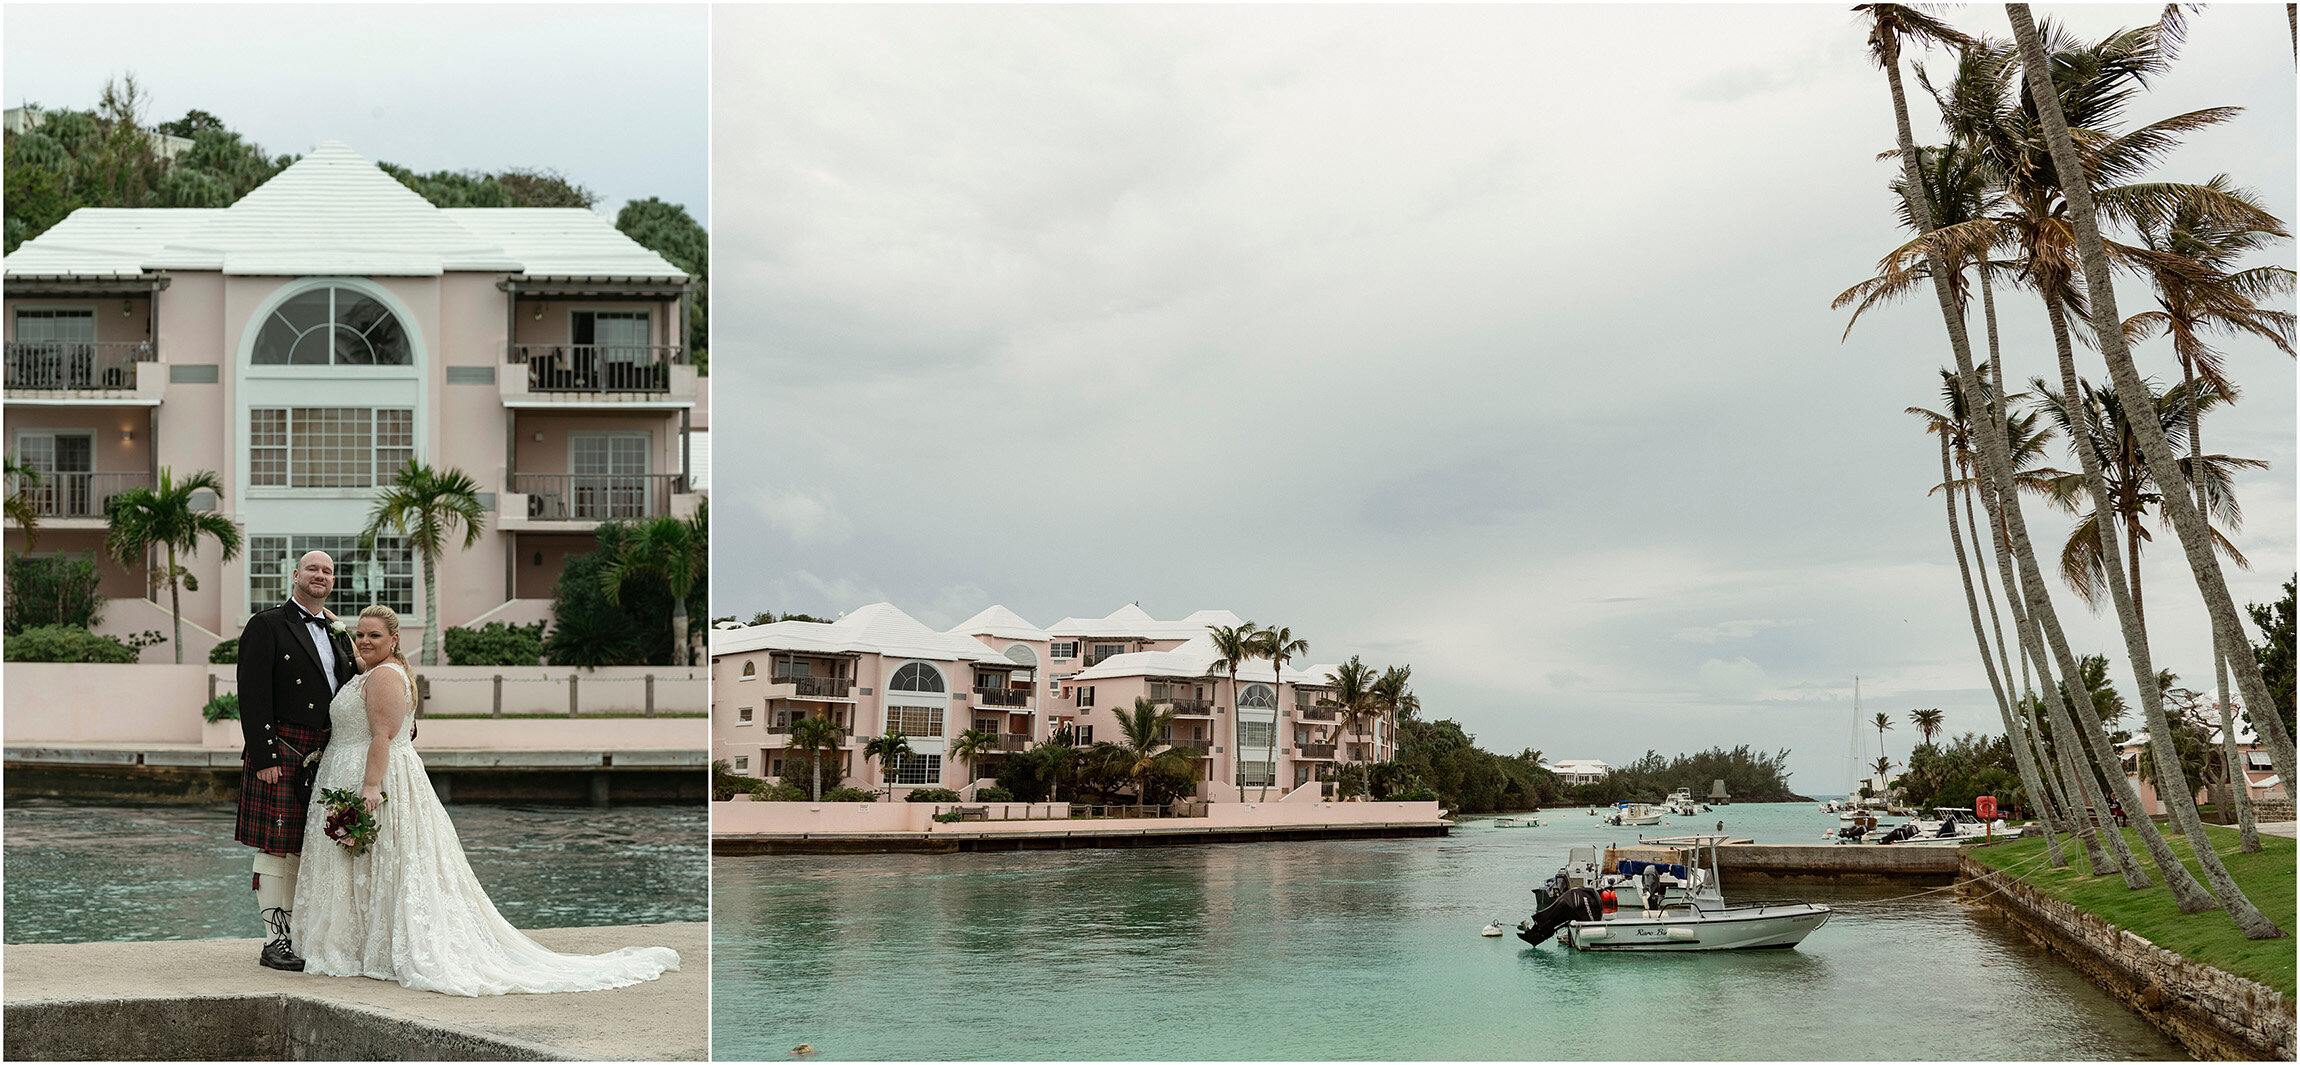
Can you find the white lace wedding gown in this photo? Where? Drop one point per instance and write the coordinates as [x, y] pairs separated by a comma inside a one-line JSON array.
[[410, 909]]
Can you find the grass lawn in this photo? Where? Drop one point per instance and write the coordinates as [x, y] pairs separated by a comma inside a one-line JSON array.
[[2267, 878]]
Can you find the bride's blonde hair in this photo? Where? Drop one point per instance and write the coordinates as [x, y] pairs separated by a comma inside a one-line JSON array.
[[390, 619]]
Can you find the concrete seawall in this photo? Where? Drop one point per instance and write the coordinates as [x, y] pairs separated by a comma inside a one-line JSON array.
[[957, 841], [2215, 1014], [208, 1000], [1838, 863]]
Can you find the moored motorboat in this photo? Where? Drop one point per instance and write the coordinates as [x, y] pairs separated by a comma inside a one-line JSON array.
[[1634, 813], [1518, 821], [1659, 896]]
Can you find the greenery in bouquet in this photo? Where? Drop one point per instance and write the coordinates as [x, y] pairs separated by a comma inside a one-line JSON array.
[[349, 822]]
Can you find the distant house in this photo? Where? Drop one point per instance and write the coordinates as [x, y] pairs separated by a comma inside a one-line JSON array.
[[2259, 771], [1580, 770]]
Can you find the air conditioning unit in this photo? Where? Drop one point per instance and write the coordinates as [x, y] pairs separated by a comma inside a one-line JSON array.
[[546, 506]]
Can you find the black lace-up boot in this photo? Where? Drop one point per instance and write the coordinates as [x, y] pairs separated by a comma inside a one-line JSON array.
[[280, 952]]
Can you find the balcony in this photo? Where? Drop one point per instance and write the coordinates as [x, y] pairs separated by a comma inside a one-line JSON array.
[[1000, 695], [93, 371], [810, 687], [569, 502], [1200, 746], [1316, 750], [1187, 707], [75, 500], [557, 375], [1316, 713], [1012, 741]]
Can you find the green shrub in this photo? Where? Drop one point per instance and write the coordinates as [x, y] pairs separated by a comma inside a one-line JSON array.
[[993, 793], [726, 784], [1414, 795], [848, 795], [497, 643], [947, 817], [225, 707], [52, 590], [784, 792], [225, 652], [587, 630], [64, 643], [933, 795]]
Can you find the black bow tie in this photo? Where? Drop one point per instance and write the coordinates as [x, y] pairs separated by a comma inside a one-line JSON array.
[[316, 620]]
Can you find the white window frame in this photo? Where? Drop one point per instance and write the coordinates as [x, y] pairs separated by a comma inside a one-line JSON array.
[[746, 715], [912, 771]]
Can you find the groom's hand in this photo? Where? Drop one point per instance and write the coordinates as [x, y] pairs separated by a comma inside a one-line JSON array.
[[271, 774]]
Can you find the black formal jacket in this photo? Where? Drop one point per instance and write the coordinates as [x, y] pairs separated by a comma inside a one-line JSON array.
[[281, 679]]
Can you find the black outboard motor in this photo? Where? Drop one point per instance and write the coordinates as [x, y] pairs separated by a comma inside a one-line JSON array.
[[1653, 888], [1578, 904]]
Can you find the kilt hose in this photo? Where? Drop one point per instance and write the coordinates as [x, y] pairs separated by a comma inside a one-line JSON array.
[[272, 814]]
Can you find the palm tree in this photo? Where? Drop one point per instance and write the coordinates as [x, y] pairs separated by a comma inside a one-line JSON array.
[[1142, 748], [970, 745], [23, 506], [1280, 647], [2131, 488], [677, 550], [1394, 696], [2195, 539], [1883, 721], [813, 735], [890, 749], [1987, 110], [1928, 723], [1353, 695], [424, 506], [141, 519], [1233, 646]]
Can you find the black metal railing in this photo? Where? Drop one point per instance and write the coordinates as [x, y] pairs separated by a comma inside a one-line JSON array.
[[1315, 713], [61, 365], [598, 367], [1316, 750], [597, 497], [1000, 695], [74, 495], [818, 687]]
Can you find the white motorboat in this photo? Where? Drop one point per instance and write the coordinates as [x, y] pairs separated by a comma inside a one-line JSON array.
[[1662, 895], [1634, 813], [1950, 826], [1518, 821], [1681, 803]]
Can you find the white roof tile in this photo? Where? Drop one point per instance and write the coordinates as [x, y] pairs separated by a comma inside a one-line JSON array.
[[1131, 620], [334, 212], [1000, 622], [879, 628]]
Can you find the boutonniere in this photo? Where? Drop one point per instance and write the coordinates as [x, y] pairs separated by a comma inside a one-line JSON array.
[[336, 626]]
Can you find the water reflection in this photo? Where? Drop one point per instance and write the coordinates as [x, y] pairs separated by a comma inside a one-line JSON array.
[[77, 872], [1349, 950]]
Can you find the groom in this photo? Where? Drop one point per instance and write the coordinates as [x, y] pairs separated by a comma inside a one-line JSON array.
[[292, 659]]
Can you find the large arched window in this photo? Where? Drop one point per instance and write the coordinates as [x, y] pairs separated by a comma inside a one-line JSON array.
[[916, 677], [1257, 696], [332, 325], [1020, 654]]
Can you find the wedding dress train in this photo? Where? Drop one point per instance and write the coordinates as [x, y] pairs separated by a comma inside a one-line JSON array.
[[410, 909]]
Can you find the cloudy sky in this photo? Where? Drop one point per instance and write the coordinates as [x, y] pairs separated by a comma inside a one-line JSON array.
[[1493, 340], [614, 97]]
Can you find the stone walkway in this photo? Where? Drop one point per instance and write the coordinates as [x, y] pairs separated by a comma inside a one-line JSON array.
[[2286, 829], [661, 1020]]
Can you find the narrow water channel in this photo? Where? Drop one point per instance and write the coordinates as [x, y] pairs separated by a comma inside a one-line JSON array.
[[81, 872], [1355, 950]]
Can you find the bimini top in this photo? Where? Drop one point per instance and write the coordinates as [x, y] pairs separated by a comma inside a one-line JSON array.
[[334, 212]]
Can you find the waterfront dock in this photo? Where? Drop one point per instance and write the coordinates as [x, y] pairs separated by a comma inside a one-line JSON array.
[[1069, 836], [208, 1000], [198, 773], [1834, 862]]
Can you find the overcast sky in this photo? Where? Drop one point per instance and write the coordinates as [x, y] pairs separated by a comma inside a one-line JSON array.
[[614, 97], [1494, 340]]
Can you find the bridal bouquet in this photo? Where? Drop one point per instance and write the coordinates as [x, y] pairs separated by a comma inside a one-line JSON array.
[[349, 823]]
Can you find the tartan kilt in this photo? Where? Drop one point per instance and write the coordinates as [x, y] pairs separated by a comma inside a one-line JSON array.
[[272, 815]]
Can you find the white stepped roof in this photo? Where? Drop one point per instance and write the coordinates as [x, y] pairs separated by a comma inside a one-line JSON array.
[[1131, 620], [105, 241], [1195, 658], [879, 628], [334, 212], [564, 242], [1000, 622]]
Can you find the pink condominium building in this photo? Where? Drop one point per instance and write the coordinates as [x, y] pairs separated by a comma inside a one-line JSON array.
[[306, 341], [879, 670]]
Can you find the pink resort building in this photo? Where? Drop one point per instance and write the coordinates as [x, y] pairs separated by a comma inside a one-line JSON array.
[[879, 670], [2262, 783], [304, 342]]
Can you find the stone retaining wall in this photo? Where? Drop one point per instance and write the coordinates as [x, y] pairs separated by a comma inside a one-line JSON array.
[[2215, 1014]]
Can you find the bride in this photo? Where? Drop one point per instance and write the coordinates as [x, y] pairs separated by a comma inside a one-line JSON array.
[[409, 909]]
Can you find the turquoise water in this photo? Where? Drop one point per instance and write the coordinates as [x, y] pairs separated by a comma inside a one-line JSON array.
[[80, 872], [1354, 950]]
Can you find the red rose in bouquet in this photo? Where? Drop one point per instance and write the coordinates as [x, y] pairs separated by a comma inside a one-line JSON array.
[[349, 822]]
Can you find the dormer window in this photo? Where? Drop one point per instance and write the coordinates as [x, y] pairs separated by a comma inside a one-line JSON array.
[[331, 325]]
